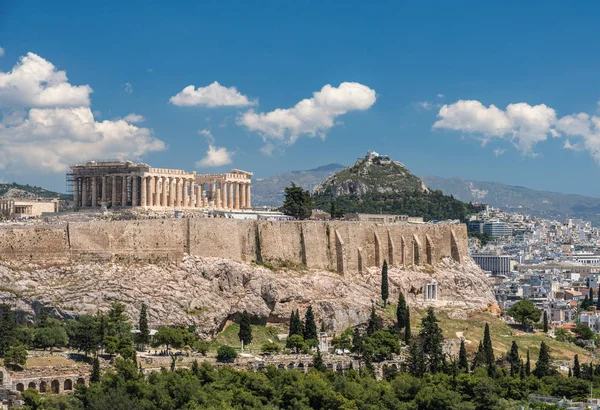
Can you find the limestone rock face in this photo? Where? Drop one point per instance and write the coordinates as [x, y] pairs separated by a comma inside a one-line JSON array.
[[208, 292]]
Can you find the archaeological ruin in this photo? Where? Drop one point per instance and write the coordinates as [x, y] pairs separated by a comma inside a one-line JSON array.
[[123, 184]]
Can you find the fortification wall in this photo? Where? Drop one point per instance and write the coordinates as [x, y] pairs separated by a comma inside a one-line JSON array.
[[336, 245]]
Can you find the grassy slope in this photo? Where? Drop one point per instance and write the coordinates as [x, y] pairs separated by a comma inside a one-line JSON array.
[[260, 335]]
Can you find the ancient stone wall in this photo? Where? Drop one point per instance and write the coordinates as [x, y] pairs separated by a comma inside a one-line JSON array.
[[336, 245]]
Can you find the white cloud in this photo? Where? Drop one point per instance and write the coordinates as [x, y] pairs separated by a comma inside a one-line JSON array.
[[59, 128], [35, 82], [213, 95], [499, 151], [424, 105], [521, 124], [1, 52], [312, 116], [584, 126], [267, 149], [572, 147], [215, 156], [440, 96], [134, 118], [128, 88]]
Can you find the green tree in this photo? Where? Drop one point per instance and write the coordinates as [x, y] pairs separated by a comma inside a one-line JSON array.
[[32, 399], [545, 321], [401, 312], [407, 330], [583, 332], [480, 358], [576, 367], [297, 203], [84, 333], [95, 375], [384, 283], [176, 337], [525, 312], [514, 359], [269, 347], [416, 359], [310, 326], [52, 334], [8, 326], [375, 322], [245, 333], [144, 335], [585, 304], [528, 365], [296, 342], [380, 346], [543, 366], [357, 341], [432, 338], [201, 346], [463, 363], [598, 300], [226, 354], [318, 363], [16, 356], [344, 341], [487, 346]]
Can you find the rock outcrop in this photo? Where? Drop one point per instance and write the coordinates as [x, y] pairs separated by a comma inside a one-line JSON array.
[[210, 291]]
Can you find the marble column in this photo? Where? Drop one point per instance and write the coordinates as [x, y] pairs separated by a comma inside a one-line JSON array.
[[186, 185], [84, 201], [165, 182], [179, 197], [248, 201], [150, 191], [124, 191], [156, 191], [223, 195], [172, 192], [237, 195], [104, 193], [198, 196], [218, 198], [134, 190], [143, 191], [230, 195], [243, 196], [94, 192], [76, 193], [113, 194]]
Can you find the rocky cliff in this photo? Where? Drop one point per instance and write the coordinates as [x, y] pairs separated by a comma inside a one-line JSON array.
[[209, 291]]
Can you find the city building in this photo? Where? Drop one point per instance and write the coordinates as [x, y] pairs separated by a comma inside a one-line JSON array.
[[497, 229], [496, 264], [18, 208]]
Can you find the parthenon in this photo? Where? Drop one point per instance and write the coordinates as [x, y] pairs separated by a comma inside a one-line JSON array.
[[127, 184]]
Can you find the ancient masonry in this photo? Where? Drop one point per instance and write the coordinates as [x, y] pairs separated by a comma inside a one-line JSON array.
[[334, 246], [126, 184]]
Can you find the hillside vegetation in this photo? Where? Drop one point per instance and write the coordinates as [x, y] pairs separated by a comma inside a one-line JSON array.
[[18, 191]]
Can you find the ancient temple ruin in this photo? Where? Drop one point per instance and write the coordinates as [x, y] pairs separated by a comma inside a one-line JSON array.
[[127, 184]]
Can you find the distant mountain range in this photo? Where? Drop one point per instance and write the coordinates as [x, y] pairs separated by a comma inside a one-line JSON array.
[[553, 205]]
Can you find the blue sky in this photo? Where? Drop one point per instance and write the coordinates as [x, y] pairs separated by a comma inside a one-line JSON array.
[[411, 80]]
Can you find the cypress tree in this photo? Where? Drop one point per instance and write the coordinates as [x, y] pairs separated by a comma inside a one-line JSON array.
[[245, 333], [585, 304], [294, 325], [479, 358], [514, 359], [543, 365], [318, 363], [144, 335], [527, 365], [598, 300], [570, 373], [374, 322], [95, 375], [401, 312], [407, 331], [463, 363], [310, 326], [384, 283], [487, 346], [416, 359], [545, 321], [357, 341], [522, 370], [576, 367], [591, 297], [432, 337]]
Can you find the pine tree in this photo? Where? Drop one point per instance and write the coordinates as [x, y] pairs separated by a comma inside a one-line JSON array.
[[522, 370], [195, 368], [374, 322], [487, 346], [245, 333], [432, 337], [416, 359], [384, 283], [401, 312], [527, 365], [576, 367], [545, 322], [514, 359], [357, 341], [463, 363], [144, 335], [543, 365], [95, 375], [310, 326], [479, 359], [407, 331], [318, 363]]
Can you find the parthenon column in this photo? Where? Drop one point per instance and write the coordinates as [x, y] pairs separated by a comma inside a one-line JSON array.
[[94, 192], [150, 191], [113, 194], [172, 192], [186, 185], [243, 196], [198, 196], [248, 201], [218, 198], [237, 195], [230, 195], [143, 191], [223, 195], [165, 182], [84, 192], [124, 191], [180, 185], [156, 191], [104, 193], [76, 193], [134, 190]]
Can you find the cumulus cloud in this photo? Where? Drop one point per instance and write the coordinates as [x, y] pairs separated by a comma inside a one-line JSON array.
[[312, 116], [573, 147], [521, 124], [134, 118], [128, 88], [47, 123], [213, 95], [215, 156], [584, 126], [35, 82]]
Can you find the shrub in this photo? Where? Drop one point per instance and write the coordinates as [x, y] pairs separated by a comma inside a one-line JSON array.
[[226, 354]]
